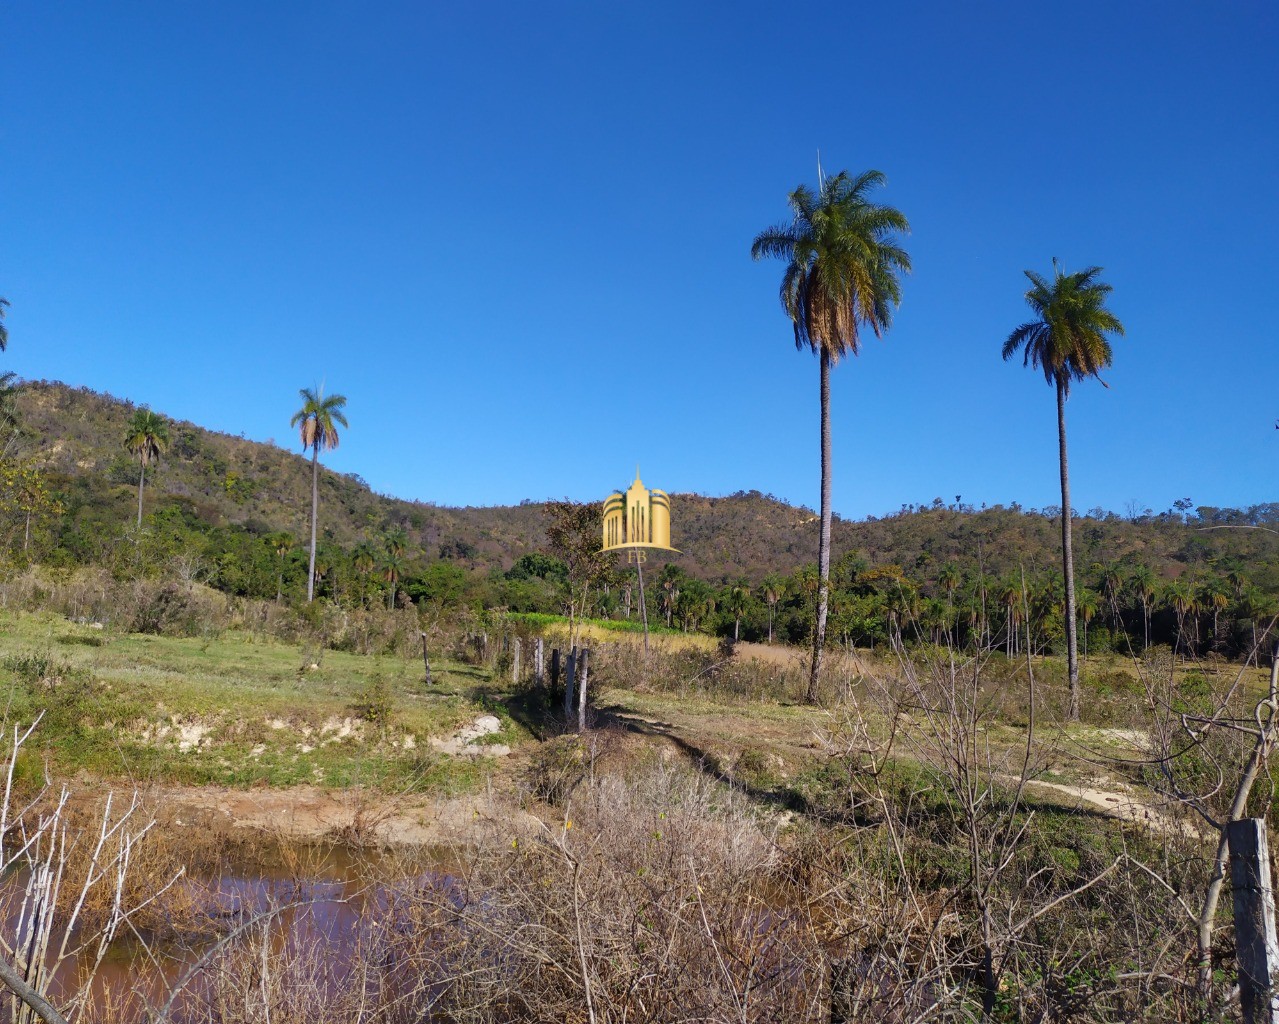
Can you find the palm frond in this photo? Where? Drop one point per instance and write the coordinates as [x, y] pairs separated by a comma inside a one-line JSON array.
[[1068, 340], [844, 262], [317, 419], [775, 243], [146, 435]]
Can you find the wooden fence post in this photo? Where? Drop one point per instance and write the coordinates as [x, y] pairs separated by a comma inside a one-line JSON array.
[[1257, 949], [426, 661], [581, 689], [570, 677], [515, 660], [539, 663]]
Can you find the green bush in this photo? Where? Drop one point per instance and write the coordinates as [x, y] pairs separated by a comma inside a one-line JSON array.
[[376, 703]]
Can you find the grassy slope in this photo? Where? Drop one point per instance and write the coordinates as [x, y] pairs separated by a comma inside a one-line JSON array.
[[251, 708], [260, 715]]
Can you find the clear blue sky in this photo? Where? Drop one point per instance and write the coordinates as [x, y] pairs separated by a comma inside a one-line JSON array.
[[516, 236]]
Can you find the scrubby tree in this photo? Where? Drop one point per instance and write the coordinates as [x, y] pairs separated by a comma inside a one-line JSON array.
[[147, 437], [317, 422], [843, 267], [1067, 341], [573, 536]]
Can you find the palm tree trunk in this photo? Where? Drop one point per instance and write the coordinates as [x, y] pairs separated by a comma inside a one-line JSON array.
[[142, 474], [1067, 556], [315, 505], [823, 542]]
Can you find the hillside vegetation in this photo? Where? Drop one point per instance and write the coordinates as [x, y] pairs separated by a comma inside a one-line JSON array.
[[233, 513]]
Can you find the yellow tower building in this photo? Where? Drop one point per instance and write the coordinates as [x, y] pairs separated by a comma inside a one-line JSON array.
[[640, 518]]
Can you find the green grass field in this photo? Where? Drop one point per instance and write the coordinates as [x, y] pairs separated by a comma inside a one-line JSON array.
[[236, 710], [241, 711]]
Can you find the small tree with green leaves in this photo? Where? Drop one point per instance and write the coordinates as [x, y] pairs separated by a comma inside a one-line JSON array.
[[573, 532]]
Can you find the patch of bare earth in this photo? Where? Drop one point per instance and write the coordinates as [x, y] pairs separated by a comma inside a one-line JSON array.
[[310, 814]]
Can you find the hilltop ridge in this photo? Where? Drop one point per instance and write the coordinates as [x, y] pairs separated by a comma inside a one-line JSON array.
[[222, 480]]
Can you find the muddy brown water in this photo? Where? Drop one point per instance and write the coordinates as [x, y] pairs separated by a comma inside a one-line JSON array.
[[279, 900]]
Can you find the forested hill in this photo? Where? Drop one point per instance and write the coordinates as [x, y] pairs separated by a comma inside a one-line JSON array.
[[219, 481]]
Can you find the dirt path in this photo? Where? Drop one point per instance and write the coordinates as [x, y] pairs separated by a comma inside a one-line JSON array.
[[1121, 805], [797, 734]]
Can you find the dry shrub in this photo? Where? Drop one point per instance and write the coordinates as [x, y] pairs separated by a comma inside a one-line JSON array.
[[717, 674], [557, 767], [653, 901]]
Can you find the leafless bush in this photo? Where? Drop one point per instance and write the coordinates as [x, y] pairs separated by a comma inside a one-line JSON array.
[[69, 894], [1031, 912]]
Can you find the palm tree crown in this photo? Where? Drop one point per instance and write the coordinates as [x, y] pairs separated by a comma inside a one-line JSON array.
[[318, 418], [843, 262], [1067, 340], [146, 436]]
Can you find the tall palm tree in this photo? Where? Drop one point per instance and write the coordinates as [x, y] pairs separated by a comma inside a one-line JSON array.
[[317, 422], [1111, 579], [1010, 596], [1257, 606], [1143, 583], [1088, 607], [1214, 596], [1180, 597], [949, 580], [9, 388], [281, 543], [843, 267], [736, 601], [669, 599], [1067, 341], [772, 592], [146, 436], [394, 544]]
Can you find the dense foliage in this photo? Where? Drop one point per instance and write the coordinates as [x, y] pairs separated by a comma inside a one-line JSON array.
[[233, 513]]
